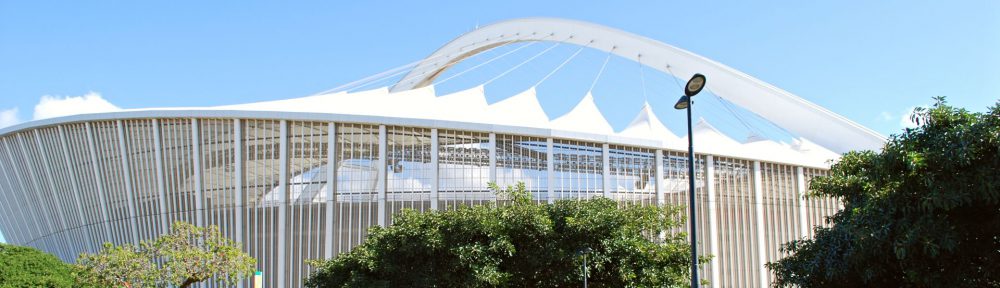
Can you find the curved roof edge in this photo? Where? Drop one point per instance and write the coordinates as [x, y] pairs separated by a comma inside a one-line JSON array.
[[314, 116]]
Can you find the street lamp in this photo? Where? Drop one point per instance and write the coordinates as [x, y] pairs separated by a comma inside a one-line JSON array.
[[584, 252], [692, 88]]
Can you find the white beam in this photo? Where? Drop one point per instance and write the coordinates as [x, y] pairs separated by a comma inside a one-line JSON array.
[[238, 178], [161, 188], [606, 173], [758, 194], [713, 218], [9, 208], [331, 187], [198, 186], [659, 187], [436, 173], [129, 193], [283, 203], [13, 200], [382, 151], [800, 180], [493, 157], [660, 191], [74, 182], [64, 230], [39, 204], [98, 180], [551, 169]]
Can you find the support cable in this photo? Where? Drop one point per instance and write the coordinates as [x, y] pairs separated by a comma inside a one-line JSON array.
[[490, 60], [521, 64], [600, 72], [676, 81], [746, 122], [390, 73], [361, 86], [376, 77], [732, 112], [561, 65]]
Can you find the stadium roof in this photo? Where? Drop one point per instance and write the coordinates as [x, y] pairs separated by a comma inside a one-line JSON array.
[[523, 110]]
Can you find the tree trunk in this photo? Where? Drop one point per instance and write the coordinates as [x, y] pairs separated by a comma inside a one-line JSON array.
[[188, 282]]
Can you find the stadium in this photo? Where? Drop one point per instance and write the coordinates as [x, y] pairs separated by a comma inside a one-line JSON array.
[[305, 178]]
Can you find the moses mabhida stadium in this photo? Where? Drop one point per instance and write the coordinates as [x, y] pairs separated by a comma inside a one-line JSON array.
[[305, 178]]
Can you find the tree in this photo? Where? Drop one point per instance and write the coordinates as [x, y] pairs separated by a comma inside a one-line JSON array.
[[28, 267], [515, 242], [183, 257], [922, 213]]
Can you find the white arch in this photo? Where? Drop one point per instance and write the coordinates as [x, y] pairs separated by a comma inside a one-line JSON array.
[[774, 104]]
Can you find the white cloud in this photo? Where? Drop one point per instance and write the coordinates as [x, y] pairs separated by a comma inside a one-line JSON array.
[[904, 120], [55, 106], [885, 116], [9, 117]]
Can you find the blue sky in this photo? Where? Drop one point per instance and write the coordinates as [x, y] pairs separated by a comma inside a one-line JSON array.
[[870, 62]]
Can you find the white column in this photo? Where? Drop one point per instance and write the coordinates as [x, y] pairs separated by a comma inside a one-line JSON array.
[[23, 234], [551, 169], [606, 159], [8, 211], [758, 194], [493, 157], [331, 187], [196, 158], [74, 183], [42, 208], [161, 188], [661, 198], [40, 204], [803, 216], [52, 185], [713, 218], [382, 151], [21, 195], [238, 183], [436, 173], [98, 180], [238, 178], [129, 193], [659, 189], [283, 204]]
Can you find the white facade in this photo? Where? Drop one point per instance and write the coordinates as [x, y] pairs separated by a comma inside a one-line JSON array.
[[71, 185]]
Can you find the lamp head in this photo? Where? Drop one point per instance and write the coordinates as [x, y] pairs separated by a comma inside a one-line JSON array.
[[694, 85], [683, 103]]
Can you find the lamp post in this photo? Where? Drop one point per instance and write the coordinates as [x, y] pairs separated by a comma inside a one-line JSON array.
[[692, 88], [584, 252]]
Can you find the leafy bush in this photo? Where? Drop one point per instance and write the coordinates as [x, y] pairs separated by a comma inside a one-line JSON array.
[[185, 256], [924, 212], [29, 267], [515, 242]]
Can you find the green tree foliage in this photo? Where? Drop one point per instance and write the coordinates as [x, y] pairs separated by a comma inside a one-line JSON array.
[[28, 267], [515, 242], [181, 258], [922, 213]]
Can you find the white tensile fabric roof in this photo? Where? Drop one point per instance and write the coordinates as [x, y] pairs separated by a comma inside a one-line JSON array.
[[646, 125], [712, 141], [585, 117], [524, 110]]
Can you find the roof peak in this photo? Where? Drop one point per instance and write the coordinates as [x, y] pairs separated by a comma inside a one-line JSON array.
[[584, 117]]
